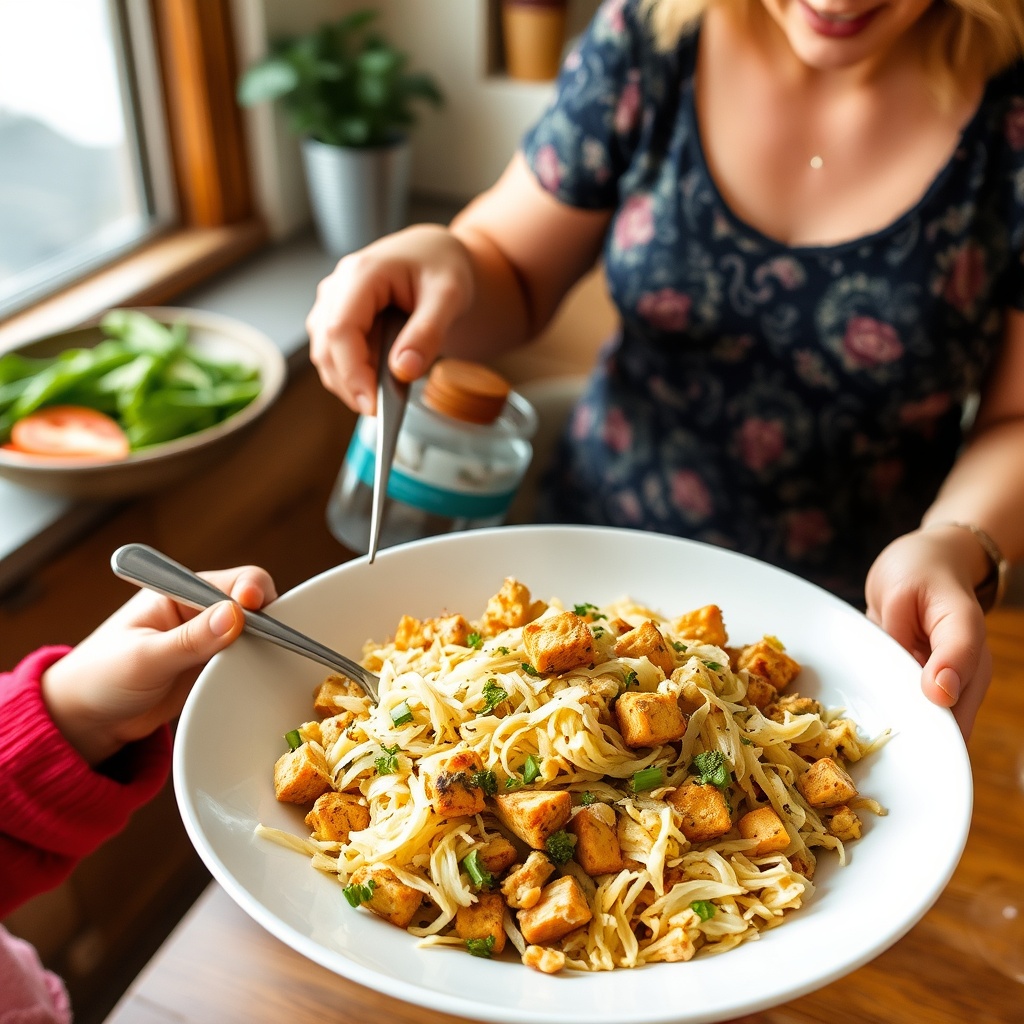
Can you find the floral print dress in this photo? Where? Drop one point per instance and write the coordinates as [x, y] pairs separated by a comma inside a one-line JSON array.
[[802, 405]]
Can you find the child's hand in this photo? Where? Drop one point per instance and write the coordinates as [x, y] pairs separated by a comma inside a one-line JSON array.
[[920, 590], [133, 673]]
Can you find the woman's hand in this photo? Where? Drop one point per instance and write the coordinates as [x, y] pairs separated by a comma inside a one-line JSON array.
[[920, 590], [133, 673], [423, 270]]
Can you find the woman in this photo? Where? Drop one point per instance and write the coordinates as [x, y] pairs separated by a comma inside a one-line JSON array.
[[810, 219]]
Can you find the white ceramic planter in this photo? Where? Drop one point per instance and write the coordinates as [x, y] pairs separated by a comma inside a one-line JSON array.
[[357, 194]]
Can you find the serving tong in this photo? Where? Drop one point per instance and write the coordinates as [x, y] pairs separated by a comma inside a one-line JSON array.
[[392, 398], [146, 567]]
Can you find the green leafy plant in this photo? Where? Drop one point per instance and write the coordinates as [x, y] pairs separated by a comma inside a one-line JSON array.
[[342, 84]]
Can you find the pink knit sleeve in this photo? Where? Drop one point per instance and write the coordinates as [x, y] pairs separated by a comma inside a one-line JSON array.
[[54, 808]]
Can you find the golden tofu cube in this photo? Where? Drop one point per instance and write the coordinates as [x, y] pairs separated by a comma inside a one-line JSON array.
[[448, 629], [767, 828], [703, 624], [770, 662], [483, 918], [497, 854], [534, 814], [760, 693], [703, 811], [451, 785], [301, 775], [649, 719], [391, 899], [522, 885], [409, 633], [646, 641], [559, 643], [562, 908], [509, 608], [325, 697], [597, 843], [334, 815], [332, 728], [794, 704], [826, 784]]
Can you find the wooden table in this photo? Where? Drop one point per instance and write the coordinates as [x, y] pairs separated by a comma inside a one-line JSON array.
[[219, 966]]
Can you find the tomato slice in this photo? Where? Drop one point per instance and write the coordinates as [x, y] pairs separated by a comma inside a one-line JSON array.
[[70, 431]]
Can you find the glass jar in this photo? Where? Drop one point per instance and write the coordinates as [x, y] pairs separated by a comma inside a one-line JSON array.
[[462, 452]]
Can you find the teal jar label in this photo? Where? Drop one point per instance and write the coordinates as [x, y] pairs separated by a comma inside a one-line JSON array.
[[440, 501]]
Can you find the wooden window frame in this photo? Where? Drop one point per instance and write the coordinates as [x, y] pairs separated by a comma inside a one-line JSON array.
[[218, 224]]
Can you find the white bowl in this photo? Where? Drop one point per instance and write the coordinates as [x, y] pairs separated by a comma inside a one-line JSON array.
[[213, 335], [231, 730]]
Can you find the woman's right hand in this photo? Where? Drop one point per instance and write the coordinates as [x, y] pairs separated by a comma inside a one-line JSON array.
[[425, 271]]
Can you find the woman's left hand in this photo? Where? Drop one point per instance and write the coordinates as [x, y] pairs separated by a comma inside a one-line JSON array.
[[920, 590]]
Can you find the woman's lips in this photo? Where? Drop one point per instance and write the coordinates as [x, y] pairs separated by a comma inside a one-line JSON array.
[[837, 26]]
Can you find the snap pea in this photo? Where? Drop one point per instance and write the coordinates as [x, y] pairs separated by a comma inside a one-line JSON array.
[[143, 373]]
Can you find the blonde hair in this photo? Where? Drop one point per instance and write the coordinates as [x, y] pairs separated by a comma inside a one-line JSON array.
[[962, 37]]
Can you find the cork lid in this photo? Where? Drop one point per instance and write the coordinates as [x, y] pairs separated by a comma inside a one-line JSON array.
[[465, 391]]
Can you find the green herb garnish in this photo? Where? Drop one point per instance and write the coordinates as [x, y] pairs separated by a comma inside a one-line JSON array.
[[711, 769], [531, 769], [479, 875], [588, 611], [679, 645], [358, 894], [387, 763], [493, 695], [529, 669], [714, 666], [587, 798], [293, 739], [481, 947], [475, 640], [560, 845], [486, 780], [704, 909]]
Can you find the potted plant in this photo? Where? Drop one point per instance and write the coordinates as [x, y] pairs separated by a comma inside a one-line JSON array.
[[348, 94]]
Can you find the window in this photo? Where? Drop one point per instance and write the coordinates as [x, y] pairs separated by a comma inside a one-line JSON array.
[[75, 170], [120, 147]]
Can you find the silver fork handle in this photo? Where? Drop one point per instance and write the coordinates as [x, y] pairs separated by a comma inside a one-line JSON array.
[[146, 567]]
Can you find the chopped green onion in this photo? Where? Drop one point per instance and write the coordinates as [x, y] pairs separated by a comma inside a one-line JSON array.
[[629, 678], [560, 846], [357, 894], [529, 669], [479, 875], [474, 640], [387, 763], [513, 782], [588, 611], [704, 909], [531, 770], [714, 666], [293, 739], [401, 714], [647, 778], [503, 651], [679, 645], [481, 947]]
